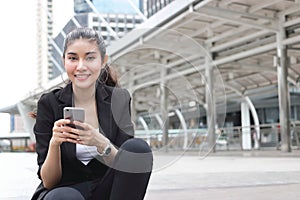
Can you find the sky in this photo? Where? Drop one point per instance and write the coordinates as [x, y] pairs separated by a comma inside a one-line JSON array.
[[17, 50], [115, 6], [18, 53], [18, 46]]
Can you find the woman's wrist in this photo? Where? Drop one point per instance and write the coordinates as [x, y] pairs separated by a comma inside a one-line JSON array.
[[54, 143], [104, 149]]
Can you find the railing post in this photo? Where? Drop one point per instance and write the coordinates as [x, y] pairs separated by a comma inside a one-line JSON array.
[[184, 127], [246, 131], [145, 126]]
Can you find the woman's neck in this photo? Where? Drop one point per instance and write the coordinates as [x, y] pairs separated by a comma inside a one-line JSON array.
[[84, 96]]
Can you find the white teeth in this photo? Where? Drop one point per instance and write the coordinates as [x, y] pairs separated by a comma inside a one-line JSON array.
[[81, 75]]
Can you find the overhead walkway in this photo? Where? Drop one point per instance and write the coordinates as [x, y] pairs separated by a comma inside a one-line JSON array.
[[210, 54]]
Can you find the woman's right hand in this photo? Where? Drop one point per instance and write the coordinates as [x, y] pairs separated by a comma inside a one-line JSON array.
[[62, 133]]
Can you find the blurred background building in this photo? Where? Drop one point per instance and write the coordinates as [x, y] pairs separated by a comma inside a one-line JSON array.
[[150, 7]]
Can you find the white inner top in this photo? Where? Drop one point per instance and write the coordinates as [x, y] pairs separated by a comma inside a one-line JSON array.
[[86, 153]]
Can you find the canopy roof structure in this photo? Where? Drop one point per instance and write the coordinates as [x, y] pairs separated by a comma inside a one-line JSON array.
[[239, 39]]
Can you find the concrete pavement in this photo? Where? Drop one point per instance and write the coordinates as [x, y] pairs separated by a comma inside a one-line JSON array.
[[224, 175], [18, 178], [228, 176]]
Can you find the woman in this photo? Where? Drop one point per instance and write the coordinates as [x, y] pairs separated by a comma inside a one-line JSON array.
[[101, 160]]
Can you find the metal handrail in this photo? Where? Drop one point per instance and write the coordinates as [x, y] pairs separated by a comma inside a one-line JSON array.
[[231, 136]]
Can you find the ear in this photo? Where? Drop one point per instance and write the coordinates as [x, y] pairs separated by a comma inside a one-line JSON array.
[[104, 61]]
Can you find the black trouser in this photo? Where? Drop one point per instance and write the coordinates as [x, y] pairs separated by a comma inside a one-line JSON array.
[[127, 179]]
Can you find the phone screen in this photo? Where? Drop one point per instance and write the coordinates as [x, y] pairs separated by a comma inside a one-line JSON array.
[[74, 114]]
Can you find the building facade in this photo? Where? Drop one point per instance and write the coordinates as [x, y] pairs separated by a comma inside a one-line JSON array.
[[51, 14], [44, 33], [150, 7]]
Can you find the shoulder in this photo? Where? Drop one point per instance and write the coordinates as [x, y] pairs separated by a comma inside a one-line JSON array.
[[50, 95], [48, 106], [117, 92], [61, 94], [111, 89]]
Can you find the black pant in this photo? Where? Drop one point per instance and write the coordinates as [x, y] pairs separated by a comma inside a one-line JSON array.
[[127, 179]]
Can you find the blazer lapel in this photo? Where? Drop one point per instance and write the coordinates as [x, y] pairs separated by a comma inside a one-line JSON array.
[[65, 100], [104, 111]]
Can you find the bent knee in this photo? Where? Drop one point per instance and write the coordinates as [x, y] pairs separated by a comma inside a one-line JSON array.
[[136, 145], [134, 156], [64, 193]]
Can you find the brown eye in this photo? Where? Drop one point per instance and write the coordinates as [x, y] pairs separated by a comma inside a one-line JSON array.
[[72, 58], [90, 58]]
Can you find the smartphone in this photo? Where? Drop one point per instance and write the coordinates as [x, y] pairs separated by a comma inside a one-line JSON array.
[[74, 114]]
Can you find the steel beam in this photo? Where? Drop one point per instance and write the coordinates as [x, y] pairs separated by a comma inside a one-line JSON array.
[[227, 15], [173, 13], [263, 4]]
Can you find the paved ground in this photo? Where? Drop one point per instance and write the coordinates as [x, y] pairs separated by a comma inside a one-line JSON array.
[[232, 175]]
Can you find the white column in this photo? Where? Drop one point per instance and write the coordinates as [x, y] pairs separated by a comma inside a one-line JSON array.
[[27, 120], [256, 122], [283, 90], [164, 108], [246, 131], [210, 100]]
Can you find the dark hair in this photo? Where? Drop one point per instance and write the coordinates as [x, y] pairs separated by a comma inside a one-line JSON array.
[[108, 75]]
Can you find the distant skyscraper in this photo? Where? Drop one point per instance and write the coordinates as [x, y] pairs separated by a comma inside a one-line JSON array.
[[44, 33], [117, 24], [48, 13], [150, 7], [141, 5], [81, 6]]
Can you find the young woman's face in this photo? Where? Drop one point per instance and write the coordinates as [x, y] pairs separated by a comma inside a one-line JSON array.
[[83, 63]]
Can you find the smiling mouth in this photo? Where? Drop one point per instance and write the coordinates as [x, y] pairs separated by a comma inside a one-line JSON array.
[[81, 76]]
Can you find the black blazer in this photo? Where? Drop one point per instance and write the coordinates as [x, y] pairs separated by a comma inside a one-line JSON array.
[[113, 107]]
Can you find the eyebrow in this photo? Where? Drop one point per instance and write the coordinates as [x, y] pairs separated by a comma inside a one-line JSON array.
[[91, 52], [88, 53], [71, 53]]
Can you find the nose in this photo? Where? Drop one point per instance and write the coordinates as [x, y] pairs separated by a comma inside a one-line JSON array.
[[81, 64]]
